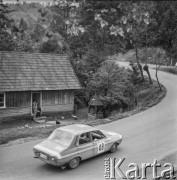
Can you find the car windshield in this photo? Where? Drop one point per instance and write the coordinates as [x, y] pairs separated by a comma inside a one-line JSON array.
[[61, 137]]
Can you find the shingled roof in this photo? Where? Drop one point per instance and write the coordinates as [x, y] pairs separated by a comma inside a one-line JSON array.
[[21, 71]]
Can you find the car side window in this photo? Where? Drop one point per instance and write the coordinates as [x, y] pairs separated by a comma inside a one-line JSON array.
[[97, 135], [84, 138]]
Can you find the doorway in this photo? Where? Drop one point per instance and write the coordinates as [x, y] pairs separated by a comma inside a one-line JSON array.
[[36, 97]]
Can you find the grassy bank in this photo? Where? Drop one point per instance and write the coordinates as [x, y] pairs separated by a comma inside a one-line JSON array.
[[172, 70], [148, 95]]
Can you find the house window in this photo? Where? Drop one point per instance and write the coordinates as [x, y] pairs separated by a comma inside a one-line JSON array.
[[2, 100]]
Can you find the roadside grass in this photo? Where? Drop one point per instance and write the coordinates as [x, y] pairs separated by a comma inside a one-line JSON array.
[[172, 70], [8, 135], [148, 95]]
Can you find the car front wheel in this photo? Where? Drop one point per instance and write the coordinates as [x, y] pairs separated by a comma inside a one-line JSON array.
[[113, 148], [74, 163]]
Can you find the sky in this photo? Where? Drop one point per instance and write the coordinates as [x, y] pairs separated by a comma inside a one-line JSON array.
[[39, 1]]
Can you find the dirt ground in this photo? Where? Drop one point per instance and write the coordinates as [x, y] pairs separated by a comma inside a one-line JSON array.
[[20, 131]]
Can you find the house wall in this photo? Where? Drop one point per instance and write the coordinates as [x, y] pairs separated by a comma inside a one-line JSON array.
[[19, 103], [16, 103], [57, 101], [18, 99]]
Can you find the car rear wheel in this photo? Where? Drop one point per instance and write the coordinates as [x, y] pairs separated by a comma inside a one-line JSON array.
[[113, 148], [74, 163]]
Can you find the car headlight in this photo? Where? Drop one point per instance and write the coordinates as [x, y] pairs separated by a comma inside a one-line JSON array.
[[53, 158]]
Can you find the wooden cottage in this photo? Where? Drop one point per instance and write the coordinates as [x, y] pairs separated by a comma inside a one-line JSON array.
[[25, 78]]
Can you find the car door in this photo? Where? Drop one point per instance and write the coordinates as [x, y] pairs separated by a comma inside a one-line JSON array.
[[100, 142], [85, 145]]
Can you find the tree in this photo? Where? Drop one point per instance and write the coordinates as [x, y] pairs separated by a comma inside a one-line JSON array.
[[160, 58], [12, 37], [166, 28], [7, 42], [23, 24], [24, 43], [6, 25], [38, 32], [131, 20], [138, 18], [97, 18], [113, 85]]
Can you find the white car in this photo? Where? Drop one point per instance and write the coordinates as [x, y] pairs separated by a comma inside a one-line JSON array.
[[68, 145]]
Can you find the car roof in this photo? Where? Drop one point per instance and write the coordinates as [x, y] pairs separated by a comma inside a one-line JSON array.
[[77, 128]]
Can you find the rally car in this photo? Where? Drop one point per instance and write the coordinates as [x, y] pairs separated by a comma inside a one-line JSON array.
[[68, 145]]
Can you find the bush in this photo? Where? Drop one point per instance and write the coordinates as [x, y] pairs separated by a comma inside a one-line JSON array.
[[113, 85]]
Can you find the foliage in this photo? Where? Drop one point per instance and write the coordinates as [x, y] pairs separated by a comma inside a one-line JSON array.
[[7, 42], [80, 28], [166, 28], [97, 20], [53, 43], [113, 85], [131, 57], [38, 32], [13, 38], [24, 43], [103, 26], [28, 12], [137, 20], [5, 21], [23, 24], [135, 77]]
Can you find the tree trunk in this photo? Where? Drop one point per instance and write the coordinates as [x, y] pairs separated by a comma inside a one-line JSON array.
[[158, 80], [171, 62], [150, 80], [146, 68], [139, 65]]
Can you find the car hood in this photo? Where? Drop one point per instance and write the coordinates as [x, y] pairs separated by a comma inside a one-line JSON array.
[[50, 147], [110, 134]]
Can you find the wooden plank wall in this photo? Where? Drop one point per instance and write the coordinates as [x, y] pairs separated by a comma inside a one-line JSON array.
[[57, 97], [19, 103], [23, 98], [18, 99], [57, 108], [57, 101]]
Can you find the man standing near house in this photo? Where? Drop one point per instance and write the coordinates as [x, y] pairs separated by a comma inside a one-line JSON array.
[[36, 110]]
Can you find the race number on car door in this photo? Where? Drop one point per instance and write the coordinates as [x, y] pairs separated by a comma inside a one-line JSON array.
[[101, 147]]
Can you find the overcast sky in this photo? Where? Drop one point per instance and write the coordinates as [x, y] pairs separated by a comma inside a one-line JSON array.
[[39, 1]]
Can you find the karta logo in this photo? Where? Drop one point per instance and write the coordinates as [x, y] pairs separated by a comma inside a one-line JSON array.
[[113, 169]]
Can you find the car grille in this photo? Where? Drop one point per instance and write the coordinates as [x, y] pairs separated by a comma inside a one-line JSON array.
[[43, 156]]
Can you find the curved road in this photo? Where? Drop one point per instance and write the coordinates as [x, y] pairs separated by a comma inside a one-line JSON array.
[[148, 135]]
